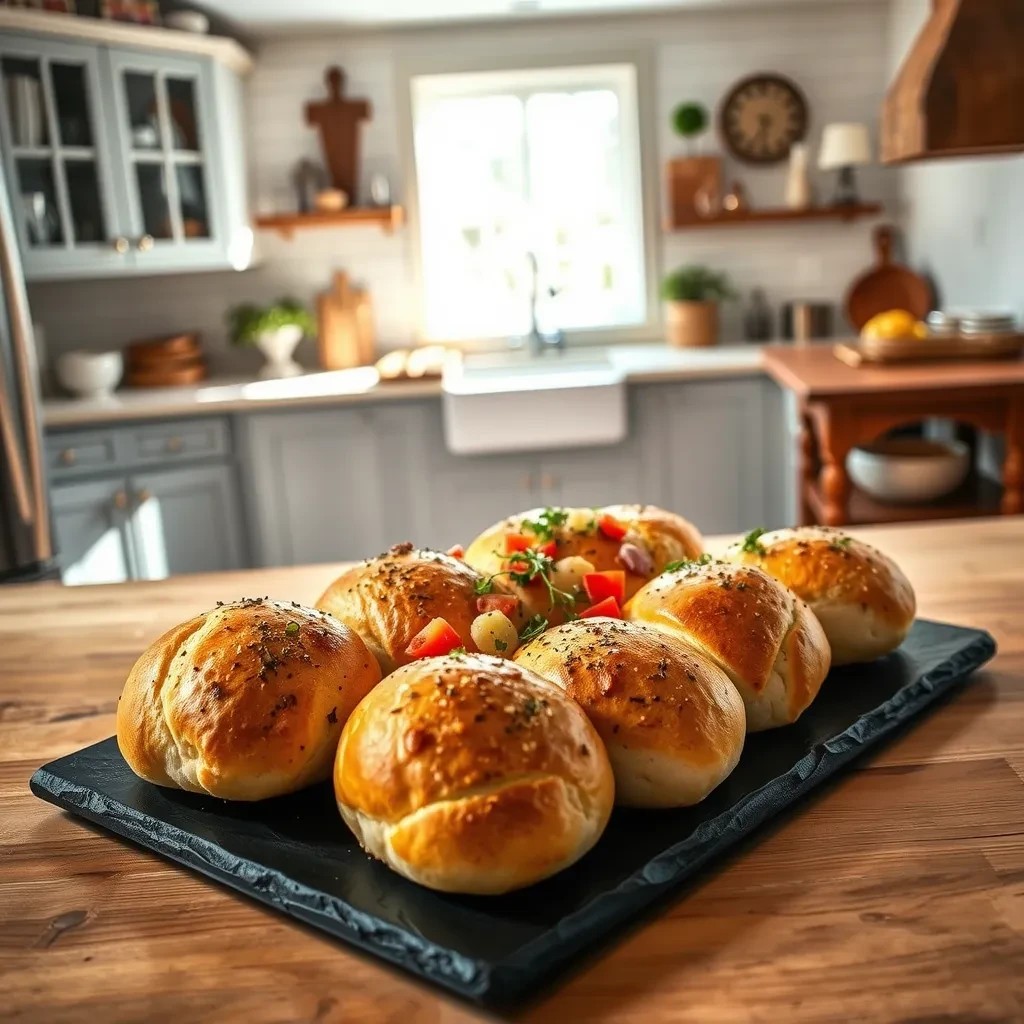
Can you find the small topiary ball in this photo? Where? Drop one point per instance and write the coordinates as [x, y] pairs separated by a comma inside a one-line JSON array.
[[689, 119]]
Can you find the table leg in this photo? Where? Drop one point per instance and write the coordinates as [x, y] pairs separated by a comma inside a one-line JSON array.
[[1013, 463], [808, 468], [835, 438]]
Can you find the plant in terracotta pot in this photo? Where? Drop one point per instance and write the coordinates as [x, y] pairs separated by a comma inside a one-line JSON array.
[[275, 330], [691, 295]]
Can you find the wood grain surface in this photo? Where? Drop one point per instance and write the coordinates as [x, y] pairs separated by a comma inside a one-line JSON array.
[[894, 894]]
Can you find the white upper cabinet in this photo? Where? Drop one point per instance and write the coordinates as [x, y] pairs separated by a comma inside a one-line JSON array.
[[122, 159]]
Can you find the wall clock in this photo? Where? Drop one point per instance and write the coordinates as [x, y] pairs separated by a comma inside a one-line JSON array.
[[762, 117]]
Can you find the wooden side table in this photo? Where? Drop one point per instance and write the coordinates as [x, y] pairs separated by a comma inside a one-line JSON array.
[[841, 407]]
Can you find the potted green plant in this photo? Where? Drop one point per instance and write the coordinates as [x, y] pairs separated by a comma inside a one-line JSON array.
[[691, 295], [275, 330], [694, 180], [690, 120]]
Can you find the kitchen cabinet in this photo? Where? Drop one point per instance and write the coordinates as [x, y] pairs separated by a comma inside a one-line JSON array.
[[123, 161], [90, 527]]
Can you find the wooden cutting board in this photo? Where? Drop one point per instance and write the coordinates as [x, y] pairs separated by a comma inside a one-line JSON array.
[[887, 286], [345, 337]]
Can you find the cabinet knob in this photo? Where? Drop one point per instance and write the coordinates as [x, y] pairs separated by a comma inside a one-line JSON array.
[[68, 457], [143, 496], [548, 482], [121, 500], [120, 245], [145, 243], [174, 444]]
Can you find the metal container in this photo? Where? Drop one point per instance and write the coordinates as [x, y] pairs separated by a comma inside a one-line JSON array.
[[806, 321]]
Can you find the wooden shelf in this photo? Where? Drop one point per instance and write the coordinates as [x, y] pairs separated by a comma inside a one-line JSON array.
[[779, 215], [979, 496], [286, 224]]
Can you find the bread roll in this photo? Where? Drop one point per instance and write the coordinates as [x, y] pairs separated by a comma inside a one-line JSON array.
[[389, 599], [864, 602], [653, 538], [245, 702], [471, 774], [671, 720], [764, 637]]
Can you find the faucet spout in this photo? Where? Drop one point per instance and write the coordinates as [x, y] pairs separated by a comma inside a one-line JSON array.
[[540, 341]]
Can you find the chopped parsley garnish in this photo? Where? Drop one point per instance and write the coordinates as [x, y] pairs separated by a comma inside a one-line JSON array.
[[484, 586], [686, 563], [546, 523], [456, 652], [752, 542], [292, 629], [840, 543], [531, 707], [526, 566], [500, 645], [534, 627]]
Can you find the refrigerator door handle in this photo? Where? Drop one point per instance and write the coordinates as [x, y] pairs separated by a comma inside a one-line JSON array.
[[26, 464]]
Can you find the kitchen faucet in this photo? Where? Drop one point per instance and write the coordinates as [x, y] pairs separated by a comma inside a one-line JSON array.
[[538, 341]]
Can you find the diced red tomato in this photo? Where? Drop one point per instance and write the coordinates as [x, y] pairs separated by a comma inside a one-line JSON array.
[[436, 637], [608, 608], [517, 542], [457, 551], [611, 527], [601, 585], [504, 603], [550, 549]]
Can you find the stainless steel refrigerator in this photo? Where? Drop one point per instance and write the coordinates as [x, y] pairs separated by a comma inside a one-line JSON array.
[[26, 542]]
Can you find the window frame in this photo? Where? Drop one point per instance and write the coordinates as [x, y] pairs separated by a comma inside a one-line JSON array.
[[413, 67]]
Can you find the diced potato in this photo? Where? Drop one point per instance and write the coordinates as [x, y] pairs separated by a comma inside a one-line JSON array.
[[582, 520], [494, 633], [567, 573]]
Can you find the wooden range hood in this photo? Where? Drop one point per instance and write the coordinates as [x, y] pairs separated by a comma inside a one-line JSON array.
[[960, 91]]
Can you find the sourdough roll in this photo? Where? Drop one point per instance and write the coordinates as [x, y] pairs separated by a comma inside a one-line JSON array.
[[387, 600], [762, 635], [864, 602], [471, 774], [639, 540], [244, 702], [671, 720]]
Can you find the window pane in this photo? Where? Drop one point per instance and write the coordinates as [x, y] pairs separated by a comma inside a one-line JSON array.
[[72, 102], [23, 86], [181, 105], [156, 212], [38, 203], [84, 200], [195, 222], [143, 118]]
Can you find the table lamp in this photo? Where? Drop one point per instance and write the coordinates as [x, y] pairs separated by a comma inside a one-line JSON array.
[[843, 147]]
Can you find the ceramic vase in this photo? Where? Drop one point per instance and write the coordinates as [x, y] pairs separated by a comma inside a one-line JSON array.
[[798, 183], [278, 348]]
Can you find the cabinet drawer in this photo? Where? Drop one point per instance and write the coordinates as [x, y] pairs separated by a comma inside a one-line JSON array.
[[74, 454], [186, 439]]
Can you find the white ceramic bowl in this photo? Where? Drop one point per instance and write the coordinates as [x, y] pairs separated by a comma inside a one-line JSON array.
[[909, 470], [188, 21], [90, 374]]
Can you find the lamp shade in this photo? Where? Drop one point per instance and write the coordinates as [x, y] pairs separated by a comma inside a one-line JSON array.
[[844, 145]]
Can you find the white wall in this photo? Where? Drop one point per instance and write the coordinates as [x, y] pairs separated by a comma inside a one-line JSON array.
[[837, 52], [963, 219]]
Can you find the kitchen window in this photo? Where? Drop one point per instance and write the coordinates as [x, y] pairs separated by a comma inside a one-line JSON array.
[[529, 179]]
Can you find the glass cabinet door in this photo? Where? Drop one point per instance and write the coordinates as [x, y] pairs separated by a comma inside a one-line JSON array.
[[58, 161], [164, 126]]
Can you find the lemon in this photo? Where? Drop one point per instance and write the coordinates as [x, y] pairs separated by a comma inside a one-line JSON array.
[[893, 325]]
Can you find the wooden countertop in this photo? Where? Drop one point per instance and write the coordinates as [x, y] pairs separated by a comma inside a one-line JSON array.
[[895, 894], [813, 371]]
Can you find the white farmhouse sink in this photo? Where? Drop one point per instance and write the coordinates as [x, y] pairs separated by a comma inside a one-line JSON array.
[[511, 402]]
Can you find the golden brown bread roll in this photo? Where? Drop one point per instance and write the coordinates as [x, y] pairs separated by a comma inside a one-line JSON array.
[[764, 637], [389, 599], [471, 774], [864, 602], [245, 702], [639, 539], [671, 720]]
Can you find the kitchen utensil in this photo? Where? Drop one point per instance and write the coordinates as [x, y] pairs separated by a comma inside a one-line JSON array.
[[806, 321], [40, 217], [186, 372], [90, 374], [909, 470], [935, 349], [887, 285], [345, 337], [979, 322], [942, 324], [165, 362], [294, 854]]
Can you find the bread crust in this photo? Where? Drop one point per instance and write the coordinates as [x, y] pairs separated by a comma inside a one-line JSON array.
[[762, 635], [671, 720], [244, 702], [665, 536], [863, 600], [471, 774]]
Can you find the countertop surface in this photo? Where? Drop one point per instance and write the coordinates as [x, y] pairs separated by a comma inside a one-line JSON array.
[[637, 364], [813, 371], [895, 894]]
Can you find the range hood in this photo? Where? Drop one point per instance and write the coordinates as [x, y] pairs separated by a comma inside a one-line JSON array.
[[960, 91]]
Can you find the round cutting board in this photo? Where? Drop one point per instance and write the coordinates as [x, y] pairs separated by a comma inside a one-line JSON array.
[[887, 286]]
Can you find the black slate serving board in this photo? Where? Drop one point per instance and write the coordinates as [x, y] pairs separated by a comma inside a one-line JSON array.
[[295, 853]]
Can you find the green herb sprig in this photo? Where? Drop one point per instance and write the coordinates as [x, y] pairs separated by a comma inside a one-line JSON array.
[[840, 543], [546, 523], [526, 566], [533, 628], [688, 563], [752, 542]]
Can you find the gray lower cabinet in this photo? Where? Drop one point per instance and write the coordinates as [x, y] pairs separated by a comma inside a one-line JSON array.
[[90, 525], [185, 520]]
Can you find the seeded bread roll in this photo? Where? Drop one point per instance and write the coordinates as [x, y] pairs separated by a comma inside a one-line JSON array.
[[389, 599], [471, 774], [864, 602], [762, 635], [671, 720], [245, 702], [652, 539]]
